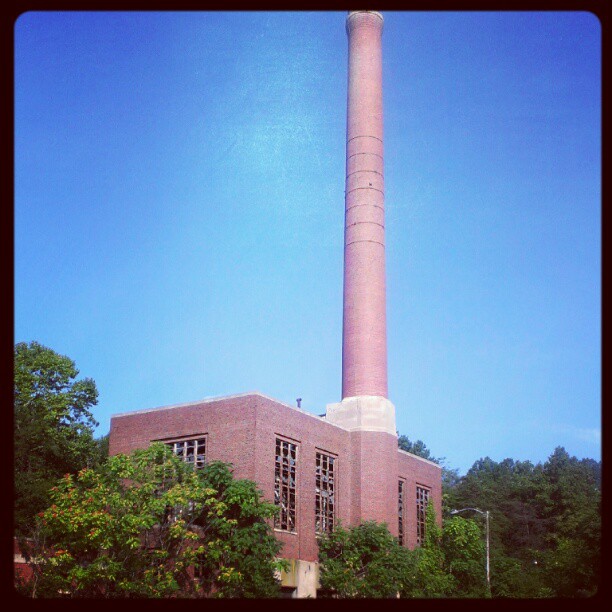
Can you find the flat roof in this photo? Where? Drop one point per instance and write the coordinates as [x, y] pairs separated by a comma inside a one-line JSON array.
[[217, 398]]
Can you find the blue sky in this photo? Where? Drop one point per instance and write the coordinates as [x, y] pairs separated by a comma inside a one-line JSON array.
[[179, 203]]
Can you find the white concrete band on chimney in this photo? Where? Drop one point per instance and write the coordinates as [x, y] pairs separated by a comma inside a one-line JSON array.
[[363, 413]]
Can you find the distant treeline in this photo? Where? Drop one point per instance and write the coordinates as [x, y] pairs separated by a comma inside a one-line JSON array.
[[545, 520]]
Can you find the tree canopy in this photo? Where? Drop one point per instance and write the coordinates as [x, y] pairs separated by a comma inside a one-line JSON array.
[[545, 532], [545, 525], [363, 562], [366, 561], [418, 448], [53, 426], [149, 525], [250, 548]]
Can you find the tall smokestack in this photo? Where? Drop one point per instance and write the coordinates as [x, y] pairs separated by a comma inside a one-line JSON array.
[[364, 404], [364, 338]]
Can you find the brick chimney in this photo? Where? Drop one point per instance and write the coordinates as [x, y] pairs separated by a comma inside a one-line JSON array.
[[364, 404]]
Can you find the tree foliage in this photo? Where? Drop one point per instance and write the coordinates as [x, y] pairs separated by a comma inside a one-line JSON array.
[[464, 556], [53, 426], [363, 562], [250, 548], [545, 532], [545, 525], [367, 561], [431, 577], [148, 525], [418, 448]]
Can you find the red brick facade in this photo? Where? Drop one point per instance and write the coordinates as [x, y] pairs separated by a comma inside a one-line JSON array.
[[242, 430]]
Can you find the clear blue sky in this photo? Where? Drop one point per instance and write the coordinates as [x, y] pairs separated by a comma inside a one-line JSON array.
[[179, 203]]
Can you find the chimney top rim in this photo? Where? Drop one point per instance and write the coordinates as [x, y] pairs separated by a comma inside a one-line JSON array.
[[350, 18]]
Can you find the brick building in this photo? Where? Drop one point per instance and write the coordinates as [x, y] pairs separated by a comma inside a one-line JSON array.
[[343, 466]]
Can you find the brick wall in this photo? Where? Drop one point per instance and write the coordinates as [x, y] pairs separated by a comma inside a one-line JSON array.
[[416, 471], [228, 423], [374, 462], [242, 430]]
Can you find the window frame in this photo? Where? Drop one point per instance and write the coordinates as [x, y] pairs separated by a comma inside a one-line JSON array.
[[423, 496], [289, 494], [196, 438], [401, 511], [320, 514]]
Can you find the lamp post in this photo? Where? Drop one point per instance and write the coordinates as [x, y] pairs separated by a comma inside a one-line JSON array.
[[486, 515]]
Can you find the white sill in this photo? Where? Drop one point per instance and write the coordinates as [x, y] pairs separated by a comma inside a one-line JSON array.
[[285, 531]]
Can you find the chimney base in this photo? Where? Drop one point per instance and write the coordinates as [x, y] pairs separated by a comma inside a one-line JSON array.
[[363, 413]]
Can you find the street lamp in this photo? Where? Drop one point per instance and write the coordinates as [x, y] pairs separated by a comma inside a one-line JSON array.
[[486, 514]]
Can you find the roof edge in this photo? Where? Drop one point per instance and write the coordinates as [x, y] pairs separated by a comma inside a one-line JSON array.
[[401, 450], [217, 398], [205, 400]]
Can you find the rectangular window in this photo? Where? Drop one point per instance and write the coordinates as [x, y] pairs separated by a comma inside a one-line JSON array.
[[192, 451], [422, 497], [325, 505], [285, 484], [400, 511]]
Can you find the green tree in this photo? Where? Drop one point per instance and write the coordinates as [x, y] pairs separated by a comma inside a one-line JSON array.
[[430, 577], [571, 568], [464, 556], [545, 523], [250, 548], [149, 525], [518, 578], [366, 561], [416, 448], [102, 445], [363, 561], [53, 426], [572, 505]]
